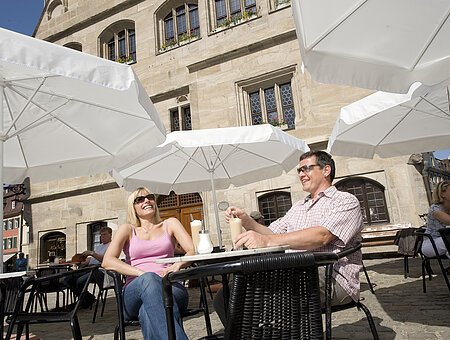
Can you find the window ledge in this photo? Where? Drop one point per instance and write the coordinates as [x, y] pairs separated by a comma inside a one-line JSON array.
[[234, 23], [283, 4], [178, 44]]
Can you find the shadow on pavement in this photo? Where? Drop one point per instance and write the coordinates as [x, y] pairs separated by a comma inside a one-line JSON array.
[[361, 330]]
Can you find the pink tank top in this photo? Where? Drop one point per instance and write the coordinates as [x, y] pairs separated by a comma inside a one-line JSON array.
[[142, 254]]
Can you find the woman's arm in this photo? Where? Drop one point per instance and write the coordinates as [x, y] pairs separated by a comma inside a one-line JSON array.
[[442, 217], [111, 258], [176, 230]]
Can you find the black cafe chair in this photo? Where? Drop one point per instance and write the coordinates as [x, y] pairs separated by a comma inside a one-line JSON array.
[[328, 309], [426, 266], [119, 331], [24, 315], [272, 296]]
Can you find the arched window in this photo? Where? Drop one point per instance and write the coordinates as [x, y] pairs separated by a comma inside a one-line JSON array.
[[118, 42], [371, 197], [54, 242], [178, 24], [74, 46], [274, 205], [56, 8]]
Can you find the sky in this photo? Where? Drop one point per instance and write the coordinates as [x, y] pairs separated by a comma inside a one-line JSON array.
[[22, 16]]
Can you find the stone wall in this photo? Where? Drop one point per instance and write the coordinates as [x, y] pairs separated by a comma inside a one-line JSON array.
[[208, 74]]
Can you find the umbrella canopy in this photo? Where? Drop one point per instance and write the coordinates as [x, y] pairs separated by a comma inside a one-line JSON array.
[[391, 124], [210, 159], [374, 44], [64, 113]]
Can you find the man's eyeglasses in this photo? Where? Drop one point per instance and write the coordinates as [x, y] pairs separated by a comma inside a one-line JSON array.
[[306, 168], [141, 199]]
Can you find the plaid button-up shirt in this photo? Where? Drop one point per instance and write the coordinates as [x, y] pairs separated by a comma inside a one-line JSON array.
[[340, 213]]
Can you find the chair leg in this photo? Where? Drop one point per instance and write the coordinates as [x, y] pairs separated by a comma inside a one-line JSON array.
[[444, 273], [405, 266], [373, 329], [205, 308], [76, 331], [367, 278], [423, 277], [116, 333], [96, 306], [104, 302]]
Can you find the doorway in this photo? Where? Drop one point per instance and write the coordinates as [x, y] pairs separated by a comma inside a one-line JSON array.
[[181, 207]]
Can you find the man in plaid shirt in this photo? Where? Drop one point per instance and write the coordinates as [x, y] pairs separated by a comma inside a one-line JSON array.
[[326, 220]]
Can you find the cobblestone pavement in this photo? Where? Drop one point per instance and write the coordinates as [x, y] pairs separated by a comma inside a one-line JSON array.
[[400, 310]]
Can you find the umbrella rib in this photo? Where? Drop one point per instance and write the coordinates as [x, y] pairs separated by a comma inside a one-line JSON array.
[[37, 122], [335, 26], [444, 19], [81, 101], [29, 100], [18, 138]]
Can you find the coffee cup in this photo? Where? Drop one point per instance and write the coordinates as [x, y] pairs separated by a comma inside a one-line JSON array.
[[236, 228]]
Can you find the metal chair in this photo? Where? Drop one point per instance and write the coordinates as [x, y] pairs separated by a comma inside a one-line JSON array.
[[272, 296], [426, 261], [99, 280], [328, 309], [24, 315], [119, 332]]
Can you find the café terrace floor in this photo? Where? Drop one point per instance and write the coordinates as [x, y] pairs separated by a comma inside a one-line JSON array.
[[400, 310]]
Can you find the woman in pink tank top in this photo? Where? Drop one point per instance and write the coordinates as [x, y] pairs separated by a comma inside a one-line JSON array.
[[144, 239]]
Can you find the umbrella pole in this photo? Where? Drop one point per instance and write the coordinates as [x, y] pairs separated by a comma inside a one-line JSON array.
[[216, 210], [2, 87]]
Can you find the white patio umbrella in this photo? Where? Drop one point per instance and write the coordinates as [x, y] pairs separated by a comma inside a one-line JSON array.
[[391, 124], [375, 44], [65, 113], [210, 159]]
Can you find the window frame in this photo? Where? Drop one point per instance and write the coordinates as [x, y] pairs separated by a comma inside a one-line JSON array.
[[172, 13], [274, 194], [180, 110], [115, 47], [245, 88], [231, 17], [365, 203]]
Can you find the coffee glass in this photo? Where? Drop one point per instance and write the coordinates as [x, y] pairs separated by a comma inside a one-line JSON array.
[[196, 226], [236, 229]]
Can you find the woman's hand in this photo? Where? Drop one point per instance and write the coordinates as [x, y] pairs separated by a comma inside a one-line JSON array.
[[173, 268]]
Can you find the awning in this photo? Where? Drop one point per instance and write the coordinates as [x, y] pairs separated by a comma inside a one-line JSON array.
[[6, 257]]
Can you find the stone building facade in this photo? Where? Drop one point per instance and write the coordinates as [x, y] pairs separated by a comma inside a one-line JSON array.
[[210, 64]]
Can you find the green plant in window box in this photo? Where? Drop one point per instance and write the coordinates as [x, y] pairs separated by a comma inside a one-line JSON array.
[[169, 43], [124, 60], [275, 122], [248, 14]]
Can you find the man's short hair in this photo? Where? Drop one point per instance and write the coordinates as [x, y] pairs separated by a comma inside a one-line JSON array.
[[323, 158], [107, 229]]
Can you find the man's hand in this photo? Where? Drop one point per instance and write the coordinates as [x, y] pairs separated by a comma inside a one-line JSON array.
[[251, 240], [87, 253]]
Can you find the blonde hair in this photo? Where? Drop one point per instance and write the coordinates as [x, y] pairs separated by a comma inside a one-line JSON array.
[[436, 197], [132, 217]]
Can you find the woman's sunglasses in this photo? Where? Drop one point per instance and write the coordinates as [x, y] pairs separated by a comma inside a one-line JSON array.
[[141, 199]]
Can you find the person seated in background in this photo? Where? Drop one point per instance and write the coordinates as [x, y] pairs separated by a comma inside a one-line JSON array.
[[257, 216], [327, 220], [438, 217], [144, 239], [92, 257], [21, 263]]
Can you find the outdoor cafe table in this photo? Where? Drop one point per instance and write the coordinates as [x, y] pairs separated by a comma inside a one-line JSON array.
[[202, 259]]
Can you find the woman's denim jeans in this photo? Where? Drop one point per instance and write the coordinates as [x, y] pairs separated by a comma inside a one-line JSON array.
[[143, 299]]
